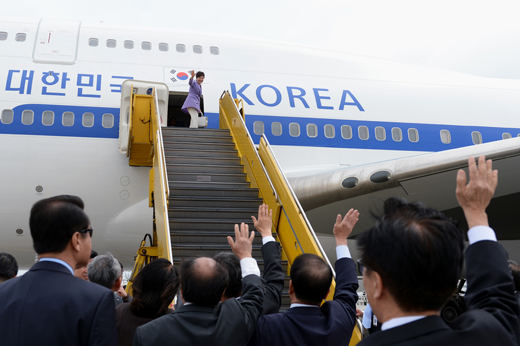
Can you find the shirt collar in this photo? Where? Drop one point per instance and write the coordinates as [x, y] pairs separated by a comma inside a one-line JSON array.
[[399, 321], [56, 260], [297, 305]]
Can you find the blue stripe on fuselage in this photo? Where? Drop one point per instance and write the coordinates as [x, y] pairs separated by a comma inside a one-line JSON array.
[[429, 134], [57, 128]]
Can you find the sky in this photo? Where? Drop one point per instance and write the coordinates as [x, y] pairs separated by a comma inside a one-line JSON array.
[[475, 37]]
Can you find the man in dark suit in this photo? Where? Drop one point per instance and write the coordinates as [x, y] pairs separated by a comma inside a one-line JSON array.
[[202, 320], [306, 323], [413, 257], [273, 277], [48, 305]]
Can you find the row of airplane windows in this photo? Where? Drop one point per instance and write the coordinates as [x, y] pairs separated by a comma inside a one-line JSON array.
[[48, 118], [145, 45], [128, 44], [363, 132]]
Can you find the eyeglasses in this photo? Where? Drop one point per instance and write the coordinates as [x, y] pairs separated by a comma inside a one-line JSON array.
[[360, 266], [88, 230]]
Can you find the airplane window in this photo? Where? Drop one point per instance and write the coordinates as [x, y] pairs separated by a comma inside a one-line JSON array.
[[88, 119], [380, 133], [329, 131], [397, 134], [48, 118], [413, 135], [3, 36], [7, 116], [93, 42], [27, 117], [445, 137], [146, 45], [346, 132], [506, 135], [129, 44], [476, 137], [111, 43], [214, 50], [363, 132], [163, 47], [197, 49], [67, 119], [180, 48], [276, 128], [258, 128], [294, 129], [107, 121], [312, 130], [20, 37]]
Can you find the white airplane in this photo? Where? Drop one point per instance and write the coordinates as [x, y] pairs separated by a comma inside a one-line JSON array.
[[347, 130]]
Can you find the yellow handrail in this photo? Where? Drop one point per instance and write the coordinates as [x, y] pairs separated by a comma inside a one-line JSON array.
[[161, 191]]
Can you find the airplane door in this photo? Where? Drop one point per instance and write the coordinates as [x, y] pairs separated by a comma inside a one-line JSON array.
[[56, 42]]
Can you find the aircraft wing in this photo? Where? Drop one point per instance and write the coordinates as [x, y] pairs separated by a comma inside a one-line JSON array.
[[429, 178]]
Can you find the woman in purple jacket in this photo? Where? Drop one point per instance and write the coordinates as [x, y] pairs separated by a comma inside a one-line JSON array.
[[192, 103]]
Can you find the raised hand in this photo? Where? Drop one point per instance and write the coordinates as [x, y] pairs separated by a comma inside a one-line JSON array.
[[474, 197], [343, 227], [243, 244], [265, 220]]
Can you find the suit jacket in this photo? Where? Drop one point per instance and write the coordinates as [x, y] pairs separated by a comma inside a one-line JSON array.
[[273, 278], [331, 324], [230, 323], [49, 306], [492, 315]]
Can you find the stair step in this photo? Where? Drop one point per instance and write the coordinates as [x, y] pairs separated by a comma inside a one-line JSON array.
[[226, 161], [207, 191], [178, 261], [194, 132], [172, 138], [208, 224], [208, 177], [224, 202], [209, 169], [209, 184], [174, 145], [212, 213], [209, 250], [216, 153]]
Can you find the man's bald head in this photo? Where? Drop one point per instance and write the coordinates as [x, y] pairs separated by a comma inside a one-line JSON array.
[[203, 281]]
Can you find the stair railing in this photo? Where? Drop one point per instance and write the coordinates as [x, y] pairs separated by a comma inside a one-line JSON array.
[[289, 221]]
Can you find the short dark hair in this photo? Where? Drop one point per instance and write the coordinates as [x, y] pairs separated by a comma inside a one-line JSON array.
[[417, 251], [93, 254], [203, 286], [8, 266], [515, 271], [311, 278], [231, 262], [200, 74], [54, 220], [154, 288], [104, 270]]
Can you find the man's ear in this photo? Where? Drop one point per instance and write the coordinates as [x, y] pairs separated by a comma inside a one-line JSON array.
[[75, 241], [117, 284], [291, 288], [378, 287]]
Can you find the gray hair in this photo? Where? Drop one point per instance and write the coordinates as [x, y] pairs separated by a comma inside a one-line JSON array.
[[104, 270]]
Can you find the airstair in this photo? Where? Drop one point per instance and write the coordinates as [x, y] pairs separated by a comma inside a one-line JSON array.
[[204, 181]]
